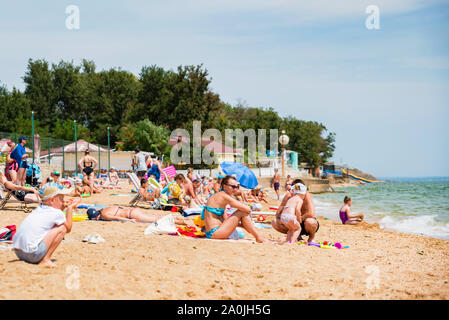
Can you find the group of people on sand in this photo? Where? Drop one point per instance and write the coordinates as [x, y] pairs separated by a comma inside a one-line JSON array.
[[43, 230], [91, 184]]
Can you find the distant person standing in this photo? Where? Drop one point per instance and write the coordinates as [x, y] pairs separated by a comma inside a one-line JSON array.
[[140, 162], [275, 183], [87, 164], [19, 155]]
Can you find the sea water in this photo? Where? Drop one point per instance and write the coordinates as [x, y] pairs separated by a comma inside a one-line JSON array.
[[410, 205]]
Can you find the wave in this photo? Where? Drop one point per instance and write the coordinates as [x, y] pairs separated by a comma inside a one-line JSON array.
[[425, 225]]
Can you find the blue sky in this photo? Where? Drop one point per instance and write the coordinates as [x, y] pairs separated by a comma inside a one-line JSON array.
[[385, 93]]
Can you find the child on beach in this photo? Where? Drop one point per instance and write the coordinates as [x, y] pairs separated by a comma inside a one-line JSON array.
[[345, 216], [291, 214], [145, 191]]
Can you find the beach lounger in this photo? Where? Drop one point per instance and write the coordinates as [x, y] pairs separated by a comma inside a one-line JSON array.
[[7, 198], [134, 201]]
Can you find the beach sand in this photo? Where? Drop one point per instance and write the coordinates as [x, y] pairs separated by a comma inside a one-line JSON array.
[[129, 265]]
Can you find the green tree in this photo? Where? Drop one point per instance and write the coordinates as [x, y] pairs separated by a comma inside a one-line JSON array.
[[146, 136], [40, 91]]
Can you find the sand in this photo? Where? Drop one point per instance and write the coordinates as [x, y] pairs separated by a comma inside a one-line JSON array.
[[129, 265]]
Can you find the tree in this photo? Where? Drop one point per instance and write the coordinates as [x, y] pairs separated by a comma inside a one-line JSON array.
[[40, 91], [146, 136]]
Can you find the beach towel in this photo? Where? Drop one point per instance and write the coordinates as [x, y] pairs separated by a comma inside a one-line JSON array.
[[94, 206], [7, 233], [190, 232], [191, 211], [170, 171]]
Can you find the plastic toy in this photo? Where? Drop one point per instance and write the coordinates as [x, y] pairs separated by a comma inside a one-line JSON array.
[[260, 218], [84, 195]]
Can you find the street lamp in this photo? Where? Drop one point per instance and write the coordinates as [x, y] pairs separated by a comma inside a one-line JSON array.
[[76, 150], [283, 139]]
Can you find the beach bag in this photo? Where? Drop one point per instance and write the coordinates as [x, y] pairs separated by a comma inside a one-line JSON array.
[[7, 233]]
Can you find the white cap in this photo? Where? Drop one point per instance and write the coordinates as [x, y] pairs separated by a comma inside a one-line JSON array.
[[299, 188]]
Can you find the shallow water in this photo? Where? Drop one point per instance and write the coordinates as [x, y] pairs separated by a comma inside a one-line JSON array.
[[409, 205]]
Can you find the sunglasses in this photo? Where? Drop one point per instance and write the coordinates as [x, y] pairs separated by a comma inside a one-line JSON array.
[[234, 187]]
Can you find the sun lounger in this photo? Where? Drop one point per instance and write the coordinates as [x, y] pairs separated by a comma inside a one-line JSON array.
[[7, 198], [138, 198]]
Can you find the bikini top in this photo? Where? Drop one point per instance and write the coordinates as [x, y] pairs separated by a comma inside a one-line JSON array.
[[216, 211]]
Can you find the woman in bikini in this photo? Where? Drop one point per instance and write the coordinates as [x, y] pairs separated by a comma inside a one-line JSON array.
[[12, 166], [346, 217], [220, 226], [118, 213]]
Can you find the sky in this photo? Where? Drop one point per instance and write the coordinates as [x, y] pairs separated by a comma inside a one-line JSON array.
[[384, 92]]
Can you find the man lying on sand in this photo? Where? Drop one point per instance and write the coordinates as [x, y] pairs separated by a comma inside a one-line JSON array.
[[309, 224], [117, 213], [217, 224], [42, 230]]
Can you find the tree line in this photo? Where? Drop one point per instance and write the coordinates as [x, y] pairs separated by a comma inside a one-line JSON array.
[[142, 110]]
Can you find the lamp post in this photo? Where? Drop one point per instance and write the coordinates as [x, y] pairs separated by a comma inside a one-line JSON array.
[[32, 130], [283, 139], [76, 151], [109, 154]]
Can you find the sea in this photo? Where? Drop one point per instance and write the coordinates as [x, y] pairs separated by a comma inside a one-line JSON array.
[[410, 205]]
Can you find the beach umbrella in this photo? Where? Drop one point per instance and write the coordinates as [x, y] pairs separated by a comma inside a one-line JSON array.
[[5, 148], [244, 175]]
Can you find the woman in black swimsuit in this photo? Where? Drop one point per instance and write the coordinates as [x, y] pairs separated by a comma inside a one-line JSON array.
[[87, 164]]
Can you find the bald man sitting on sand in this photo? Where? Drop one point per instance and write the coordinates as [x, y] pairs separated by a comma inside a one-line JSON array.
[[309, 224]]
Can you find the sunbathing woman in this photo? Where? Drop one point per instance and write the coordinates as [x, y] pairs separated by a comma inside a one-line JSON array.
[[346, 217], [117, 213], [217, 224], [114, 179]]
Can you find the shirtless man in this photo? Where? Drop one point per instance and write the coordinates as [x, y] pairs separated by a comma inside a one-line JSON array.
[[87, 164], [291, 213], [117, 213], [276, 182], [309, 224]]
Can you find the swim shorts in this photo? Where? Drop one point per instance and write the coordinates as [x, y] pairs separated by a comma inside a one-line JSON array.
[[303, 228], [276, 186], [33, 257], [23, 164], [20, 194]]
